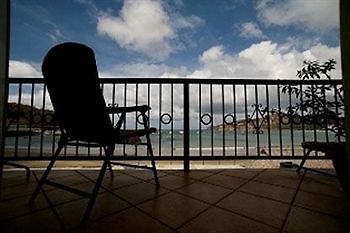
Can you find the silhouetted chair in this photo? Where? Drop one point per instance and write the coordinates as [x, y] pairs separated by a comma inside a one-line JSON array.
[[71, 76]]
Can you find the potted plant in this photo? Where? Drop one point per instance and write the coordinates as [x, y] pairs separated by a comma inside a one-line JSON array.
[[326, 113]]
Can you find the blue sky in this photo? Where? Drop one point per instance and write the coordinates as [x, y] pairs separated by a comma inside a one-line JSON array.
[[179, 38], [266, 39]]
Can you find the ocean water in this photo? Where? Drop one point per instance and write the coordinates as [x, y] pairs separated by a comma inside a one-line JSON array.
[[171, 143]]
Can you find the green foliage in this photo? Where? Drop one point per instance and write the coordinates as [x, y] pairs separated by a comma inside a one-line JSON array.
[[321, 103]]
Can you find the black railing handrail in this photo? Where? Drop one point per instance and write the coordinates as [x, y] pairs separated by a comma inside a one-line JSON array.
[[214, 81]]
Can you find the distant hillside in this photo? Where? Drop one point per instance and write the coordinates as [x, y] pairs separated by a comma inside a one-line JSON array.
[[28, 116]]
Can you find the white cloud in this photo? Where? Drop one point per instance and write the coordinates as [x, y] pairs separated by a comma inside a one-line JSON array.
[[145, 70], [266, 60], [311, 15], [20, 69], [145, 26], [250, 30]]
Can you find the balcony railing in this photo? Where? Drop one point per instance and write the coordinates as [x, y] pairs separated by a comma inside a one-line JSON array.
[[197, 119]]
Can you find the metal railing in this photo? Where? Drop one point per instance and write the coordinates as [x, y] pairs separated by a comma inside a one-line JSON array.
[[196, 119]]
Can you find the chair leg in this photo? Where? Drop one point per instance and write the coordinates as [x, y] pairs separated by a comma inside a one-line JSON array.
[[45, 175], [94, 193], [301, 165], [150, 150], [110, 169]]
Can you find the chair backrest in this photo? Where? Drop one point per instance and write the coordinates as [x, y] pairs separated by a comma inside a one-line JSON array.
[[71, 76]]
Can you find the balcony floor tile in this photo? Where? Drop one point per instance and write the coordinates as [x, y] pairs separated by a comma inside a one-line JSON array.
[[215, 200]]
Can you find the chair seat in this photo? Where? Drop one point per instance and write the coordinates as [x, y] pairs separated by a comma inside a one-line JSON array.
[[132, 137]]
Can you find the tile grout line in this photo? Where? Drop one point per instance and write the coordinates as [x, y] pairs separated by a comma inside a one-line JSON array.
[[237, 213], [52, 207], [215, 203], [42, 208], [131, 205], [292, 202]]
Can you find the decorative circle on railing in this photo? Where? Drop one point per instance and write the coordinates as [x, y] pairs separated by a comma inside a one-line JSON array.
[[36, 119], [285, 119], [140, 121], [166, 118], [296, 119], [209, 120], [49, 118], [228, 116]]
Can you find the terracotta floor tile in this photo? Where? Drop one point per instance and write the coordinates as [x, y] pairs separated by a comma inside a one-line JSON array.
[[38, 222], [261, 209], [278, 193], [73, 179], [128, 221], [215, 220], [173, 209], [139, 192], [241, 173], [285, 172], [93, 174], [119, 181], [174, 182], [143, 174], [11, 192], [280, 180], [225, 181], [20, 179], [204, 191], [322, 203], [194, 174], [302, 220], [19, 206], [323, 185], [71, 213], [181, 202]]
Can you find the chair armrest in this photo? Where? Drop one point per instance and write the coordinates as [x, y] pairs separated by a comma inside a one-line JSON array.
[[140, 108]]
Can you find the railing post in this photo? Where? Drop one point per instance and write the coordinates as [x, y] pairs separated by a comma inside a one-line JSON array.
[[4, 60], [186, 127]]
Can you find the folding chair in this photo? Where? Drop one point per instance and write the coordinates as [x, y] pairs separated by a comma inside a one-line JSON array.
[[71, 77]]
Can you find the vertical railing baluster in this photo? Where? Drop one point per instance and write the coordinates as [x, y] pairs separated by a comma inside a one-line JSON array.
[[302, 116], [279, 118], [159, 121], [246, 120], [17, 118], [149, 103], [313, 113], [212, 119], [113, 102], [186, 118], [200, 116], [172, 120], [124, 125], [235, 116], [223, 119], [137, 102], [291, 120], [101, 149], [268, 117], [31, 120], [336, 108], [42, 119], [326, 119], [257, 120]]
